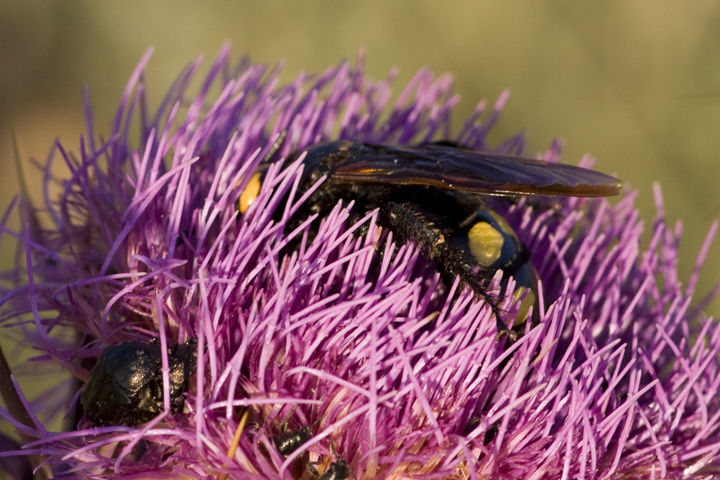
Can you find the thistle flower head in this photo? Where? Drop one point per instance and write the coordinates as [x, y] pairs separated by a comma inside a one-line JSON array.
[[322, 343]]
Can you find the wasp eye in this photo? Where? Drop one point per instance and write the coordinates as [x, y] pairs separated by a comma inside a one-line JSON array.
[[249, 193], [486, 243]]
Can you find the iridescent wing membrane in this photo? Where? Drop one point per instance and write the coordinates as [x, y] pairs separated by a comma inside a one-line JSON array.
[[454, 168]]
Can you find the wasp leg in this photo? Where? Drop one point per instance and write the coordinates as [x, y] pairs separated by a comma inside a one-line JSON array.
[[447, 244]]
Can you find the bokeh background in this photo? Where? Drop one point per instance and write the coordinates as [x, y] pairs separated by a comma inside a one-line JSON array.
[[634, 83]]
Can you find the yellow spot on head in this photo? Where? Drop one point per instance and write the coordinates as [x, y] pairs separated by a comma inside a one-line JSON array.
[[486, 243], [249, 193]]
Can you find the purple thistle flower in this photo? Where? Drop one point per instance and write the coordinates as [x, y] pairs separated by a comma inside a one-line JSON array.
[[348, 336]]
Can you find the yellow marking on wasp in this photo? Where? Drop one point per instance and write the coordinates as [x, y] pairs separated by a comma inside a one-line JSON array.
[[486, 243], [249, 193], [527, 302], [503, 225]]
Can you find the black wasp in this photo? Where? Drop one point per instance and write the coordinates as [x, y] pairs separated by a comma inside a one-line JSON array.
[[435, 195], [126, 385]]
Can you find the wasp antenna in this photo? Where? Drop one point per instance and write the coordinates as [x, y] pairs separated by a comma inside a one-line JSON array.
[[275, 146]]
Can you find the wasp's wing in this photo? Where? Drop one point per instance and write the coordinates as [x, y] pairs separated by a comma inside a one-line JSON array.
[[460, 169]]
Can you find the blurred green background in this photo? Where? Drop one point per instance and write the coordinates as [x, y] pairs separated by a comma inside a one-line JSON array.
[[634, 83]]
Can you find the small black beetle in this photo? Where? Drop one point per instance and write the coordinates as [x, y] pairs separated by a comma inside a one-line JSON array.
[[126, 384], [339, 470], [288, 442]]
